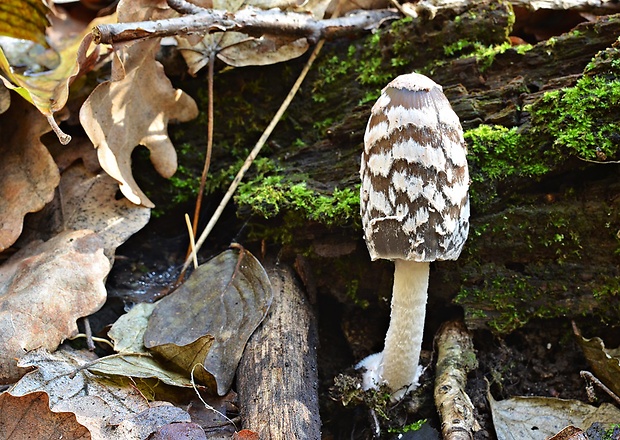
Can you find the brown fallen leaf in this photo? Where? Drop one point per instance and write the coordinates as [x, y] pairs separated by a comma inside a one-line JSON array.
[[135, 110], [28, 174], [605, 362], [238, 49], [29, 417], [5, 98], [569, 433], [109, 410], [44, 288], [180, 431], [208, 320], [534, 418], [246, 434], [142, 10], [86, 200]]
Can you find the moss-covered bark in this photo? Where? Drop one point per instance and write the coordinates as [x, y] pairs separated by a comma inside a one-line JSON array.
[[545, 238]]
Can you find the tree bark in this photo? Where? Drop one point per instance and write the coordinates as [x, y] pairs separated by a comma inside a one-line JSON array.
[[277, 380]]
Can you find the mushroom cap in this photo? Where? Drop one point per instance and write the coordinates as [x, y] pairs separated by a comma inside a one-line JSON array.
[[415, 181]]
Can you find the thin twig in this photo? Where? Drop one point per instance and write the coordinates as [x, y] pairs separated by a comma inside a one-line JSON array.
[[251, 21], [192, 245], [94, 338], [599, 162], [254, 153], [209, 407], [185, 7], [591, 377], [89, 334], [205, 170]]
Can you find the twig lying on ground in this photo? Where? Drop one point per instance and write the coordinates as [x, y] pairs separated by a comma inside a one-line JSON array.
[[455, 358], [251, 21]]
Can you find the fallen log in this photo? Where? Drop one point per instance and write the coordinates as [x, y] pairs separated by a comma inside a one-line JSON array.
[[277, 379]]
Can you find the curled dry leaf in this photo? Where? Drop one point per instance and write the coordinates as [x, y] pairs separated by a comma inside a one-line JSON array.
[[44, 288], [209, 319], [104, 407], [5, 98], [534, 418], [238, 49], [28, 174], [141, 366], [142, 10], [605, 362], [128, 330], [135, 110], [132, 359], [180, 431], [29, 417]]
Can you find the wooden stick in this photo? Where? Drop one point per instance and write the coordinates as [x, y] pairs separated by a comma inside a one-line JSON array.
[[277, 379], [455, 358], [251, 21]]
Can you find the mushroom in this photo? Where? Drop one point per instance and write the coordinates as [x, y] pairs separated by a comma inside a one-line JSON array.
[[414, 208]]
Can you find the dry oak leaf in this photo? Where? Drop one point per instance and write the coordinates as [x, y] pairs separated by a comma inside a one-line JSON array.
[[107, 409], [86, 200], [44, 288], [29, 417], [28, 174], [135, 110], [238, 49], [143, 10]]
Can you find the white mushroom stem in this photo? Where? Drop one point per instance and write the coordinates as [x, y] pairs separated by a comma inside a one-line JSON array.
[[403, 340]]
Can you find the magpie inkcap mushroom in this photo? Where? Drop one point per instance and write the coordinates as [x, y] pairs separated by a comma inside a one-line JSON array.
[[414, 208]]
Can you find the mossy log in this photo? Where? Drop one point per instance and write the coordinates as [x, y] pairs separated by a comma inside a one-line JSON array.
[[542, 125]]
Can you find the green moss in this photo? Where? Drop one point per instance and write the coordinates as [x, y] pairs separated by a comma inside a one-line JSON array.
[[609, 288], [612, 432], [268, 196], [348, 391], [510, 302], [502, 296], [498, 153], [415, 426], [582, 121]]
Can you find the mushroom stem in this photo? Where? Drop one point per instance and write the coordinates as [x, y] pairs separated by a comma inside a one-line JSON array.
[[403, 340]]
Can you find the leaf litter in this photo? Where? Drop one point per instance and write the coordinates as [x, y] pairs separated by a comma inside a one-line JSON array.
[[76, 237], [208, 320]]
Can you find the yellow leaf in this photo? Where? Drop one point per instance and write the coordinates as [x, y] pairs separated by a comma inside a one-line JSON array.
[[49, 91], [25, 19]]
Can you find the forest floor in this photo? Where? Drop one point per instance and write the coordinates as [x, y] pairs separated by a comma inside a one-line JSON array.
[[542, 358]]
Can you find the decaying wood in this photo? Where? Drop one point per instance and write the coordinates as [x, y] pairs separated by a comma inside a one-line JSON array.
[[594, 6], [252, 21], [277, 380], [455, 358]]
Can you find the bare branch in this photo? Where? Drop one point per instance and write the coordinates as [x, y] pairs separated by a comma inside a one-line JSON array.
[[455, 358], [255, 22]]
